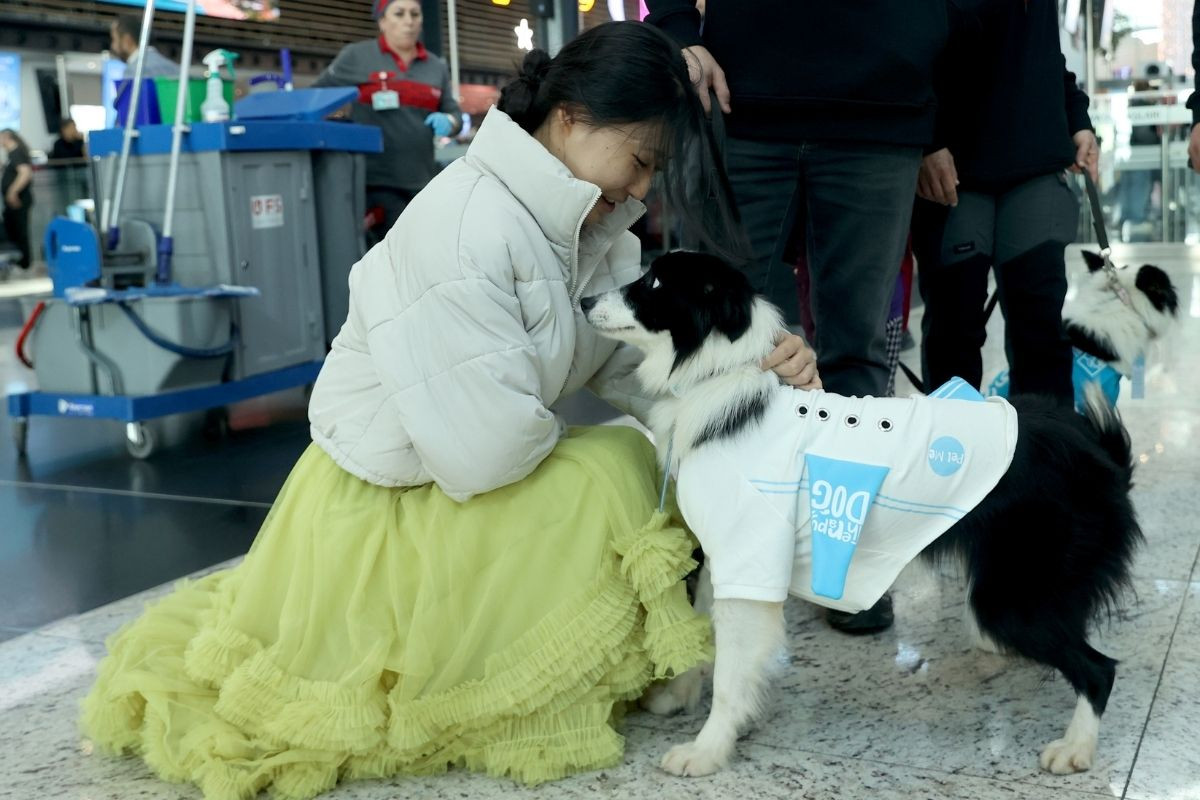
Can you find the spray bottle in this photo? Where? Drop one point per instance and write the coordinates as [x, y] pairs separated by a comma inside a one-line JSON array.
[[215, 108]]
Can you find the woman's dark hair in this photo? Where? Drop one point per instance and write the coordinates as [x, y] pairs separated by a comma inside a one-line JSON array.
[[621, 73], [16, 138]]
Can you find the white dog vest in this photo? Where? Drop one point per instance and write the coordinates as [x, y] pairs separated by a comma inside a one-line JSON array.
[[829, 497]]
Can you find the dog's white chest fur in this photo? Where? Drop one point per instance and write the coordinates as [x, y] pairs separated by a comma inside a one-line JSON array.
[[760, 499]]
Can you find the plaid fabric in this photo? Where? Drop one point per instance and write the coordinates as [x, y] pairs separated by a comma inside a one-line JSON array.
[[895, 339]]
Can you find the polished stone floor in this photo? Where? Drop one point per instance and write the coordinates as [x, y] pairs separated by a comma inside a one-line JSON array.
[[88, 535]]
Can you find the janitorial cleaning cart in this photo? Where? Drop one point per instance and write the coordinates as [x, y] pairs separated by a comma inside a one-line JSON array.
[[239, 291]]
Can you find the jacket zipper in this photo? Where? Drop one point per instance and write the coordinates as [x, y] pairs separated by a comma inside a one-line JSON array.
[[573, 287], [576, 286]]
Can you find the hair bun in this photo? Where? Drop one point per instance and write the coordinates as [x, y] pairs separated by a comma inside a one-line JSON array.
[[534, 67], [519, 98]]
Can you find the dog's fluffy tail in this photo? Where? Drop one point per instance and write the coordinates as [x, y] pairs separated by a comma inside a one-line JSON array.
[[1106, 422]]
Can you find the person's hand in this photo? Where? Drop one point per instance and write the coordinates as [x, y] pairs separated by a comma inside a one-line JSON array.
[[13, 200], [705, 72], [1194, 148], [794, 361], [938, 178], [1087, 154], [440, 123]]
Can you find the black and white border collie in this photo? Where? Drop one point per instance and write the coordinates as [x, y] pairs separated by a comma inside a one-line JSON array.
[[1116, 314], [1045, 552]]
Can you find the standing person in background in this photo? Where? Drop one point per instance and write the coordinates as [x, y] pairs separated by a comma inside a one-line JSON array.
[[18, 194], [994, 196], [1194, 101], [828, 106], [123, 35], [70, 142], [405, 91]]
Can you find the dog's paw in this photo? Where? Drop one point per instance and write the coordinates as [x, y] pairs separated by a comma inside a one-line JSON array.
[[691, 761], [1066, 756], [670, 697]]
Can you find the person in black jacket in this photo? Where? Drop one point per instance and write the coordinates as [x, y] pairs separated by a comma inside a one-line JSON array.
[[995, 196], [1194, 100], [828, 106], [17, 193], [70, 144]]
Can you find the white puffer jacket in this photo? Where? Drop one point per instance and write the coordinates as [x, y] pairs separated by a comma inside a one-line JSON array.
[[464, 323]]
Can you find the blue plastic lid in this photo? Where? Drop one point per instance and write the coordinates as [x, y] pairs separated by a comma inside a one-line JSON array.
[[306, 104]]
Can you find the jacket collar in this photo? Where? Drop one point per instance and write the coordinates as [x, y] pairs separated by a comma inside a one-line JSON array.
[[557, 200]]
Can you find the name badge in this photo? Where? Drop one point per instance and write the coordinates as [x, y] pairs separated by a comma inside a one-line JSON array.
[[385, 100]]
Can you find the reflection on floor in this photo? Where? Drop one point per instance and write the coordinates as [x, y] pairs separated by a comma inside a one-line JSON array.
[[87, 536]]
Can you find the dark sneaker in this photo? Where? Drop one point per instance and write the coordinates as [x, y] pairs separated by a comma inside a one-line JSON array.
[[877, 618]]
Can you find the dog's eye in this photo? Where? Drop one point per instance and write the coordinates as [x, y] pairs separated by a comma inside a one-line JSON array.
[[655, 284]]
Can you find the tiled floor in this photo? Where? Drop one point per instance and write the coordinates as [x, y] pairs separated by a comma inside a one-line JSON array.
[[911, 713]]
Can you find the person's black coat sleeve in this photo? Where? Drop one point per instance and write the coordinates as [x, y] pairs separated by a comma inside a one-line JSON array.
[[1077, 103], [679, 19]]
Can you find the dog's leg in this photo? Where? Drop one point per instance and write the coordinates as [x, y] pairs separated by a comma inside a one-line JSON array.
[[683, 691], [749, 635], [1092, 674], [979, 639], [1077, 749]]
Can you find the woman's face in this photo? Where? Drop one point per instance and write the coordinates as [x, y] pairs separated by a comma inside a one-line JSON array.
[[7, 142], [621, 160], [401, 24]]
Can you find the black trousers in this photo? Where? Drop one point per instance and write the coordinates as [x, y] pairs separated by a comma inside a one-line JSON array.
[[855, 201], [16, 229], [1021, 233]]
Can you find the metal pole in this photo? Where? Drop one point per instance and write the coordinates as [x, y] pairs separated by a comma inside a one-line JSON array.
[[452, 23], [166, 246], [135, 96], [177, 130], [64, 94], [1089, 58], [1166, 184]]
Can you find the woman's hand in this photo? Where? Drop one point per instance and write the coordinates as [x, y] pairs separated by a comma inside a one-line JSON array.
[[938, 178], [794, 361], [1087, 153], [13, 200], [705, 72]]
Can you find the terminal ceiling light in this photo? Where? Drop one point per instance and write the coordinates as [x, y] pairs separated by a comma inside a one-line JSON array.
[[524, 35], [501, 2], [586, 5]]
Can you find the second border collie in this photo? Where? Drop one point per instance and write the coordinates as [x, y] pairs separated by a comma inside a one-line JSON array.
[[1034, 504]]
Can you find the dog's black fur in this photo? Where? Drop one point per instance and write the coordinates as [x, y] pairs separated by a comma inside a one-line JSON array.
[[1045, 553]]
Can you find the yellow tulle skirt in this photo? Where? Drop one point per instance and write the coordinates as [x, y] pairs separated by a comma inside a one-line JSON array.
[[372, 632]]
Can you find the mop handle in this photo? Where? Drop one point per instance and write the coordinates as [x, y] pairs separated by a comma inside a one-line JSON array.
[[110, 220], [166, 246]]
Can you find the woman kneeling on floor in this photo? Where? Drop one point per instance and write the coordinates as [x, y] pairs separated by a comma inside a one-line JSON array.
[[449, 576]]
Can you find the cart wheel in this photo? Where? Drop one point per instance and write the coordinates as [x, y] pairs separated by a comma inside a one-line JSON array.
[[139, 440], [20, 433]]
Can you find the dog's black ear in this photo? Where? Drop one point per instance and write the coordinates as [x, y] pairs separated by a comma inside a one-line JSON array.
[[1156, 285], [731, 311], [1094, 261]]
